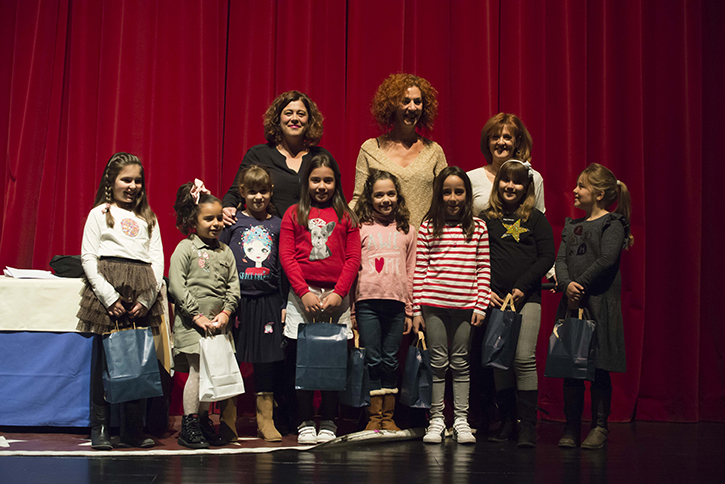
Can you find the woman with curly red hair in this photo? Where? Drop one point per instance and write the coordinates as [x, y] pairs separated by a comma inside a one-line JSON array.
[[403, 105]]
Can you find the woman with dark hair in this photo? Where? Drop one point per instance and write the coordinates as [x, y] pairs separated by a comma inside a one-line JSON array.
[[403, 105], [504, 137], [292, 127]]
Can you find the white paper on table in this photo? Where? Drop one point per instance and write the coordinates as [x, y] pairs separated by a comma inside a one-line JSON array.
[[28, 273]]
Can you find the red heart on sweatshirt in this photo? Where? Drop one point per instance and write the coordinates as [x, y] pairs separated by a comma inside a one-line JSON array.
[[379, 263]]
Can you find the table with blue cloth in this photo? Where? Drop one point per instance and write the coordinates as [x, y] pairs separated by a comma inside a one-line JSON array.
[[45, 371]]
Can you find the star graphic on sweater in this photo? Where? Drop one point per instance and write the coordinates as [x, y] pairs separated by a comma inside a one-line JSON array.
[[514, 230]]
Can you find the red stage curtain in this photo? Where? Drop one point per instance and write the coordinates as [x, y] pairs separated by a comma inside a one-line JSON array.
[[631, 84]]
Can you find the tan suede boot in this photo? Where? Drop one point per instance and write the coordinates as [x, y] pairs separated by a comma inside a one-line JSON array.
[[375, 410], [228, 419], [387, 422], [265, 420]]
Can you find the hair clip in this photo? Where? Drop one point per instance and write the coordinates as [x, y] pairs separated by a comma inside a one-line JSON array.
[[197, 189], [106, 208], [525, 163], [619, 183]]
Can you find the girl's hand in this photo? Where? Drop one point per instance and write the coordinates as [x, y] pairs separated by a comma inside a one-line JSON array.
[[556, 284], [284, 315], [496, 300], [353, 320], [138, 310], [220, 321], [229, 215], [116, 310], [331, 302], [203, 323], [517, 295], [418, 324], [408, 325], [477, 319], [574, 291], [312, 303]]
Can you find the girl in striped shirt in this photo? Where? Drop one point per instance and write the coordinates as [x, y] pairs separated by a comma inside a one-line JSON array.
[[451, 291]]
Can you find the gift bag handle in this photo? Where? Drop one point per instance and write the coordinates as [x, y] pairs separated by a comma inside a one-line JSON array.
[[356, 335], [421, 340], [509, 300], [581, 313]]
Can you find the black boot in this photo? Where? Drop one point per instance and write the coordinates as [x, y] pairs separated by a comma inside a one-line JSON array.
[[526, 408], [601, 408], [573, 408], [132, 426], [506, 401], [100, 422], [208, 431], [190, 435]]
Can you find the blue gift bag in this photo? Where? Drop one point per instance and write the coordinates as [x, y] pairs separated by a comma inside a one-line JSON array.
[[321, 357], [357, 391], [417, 376], [572, 349], [501, 337], [130, 368]]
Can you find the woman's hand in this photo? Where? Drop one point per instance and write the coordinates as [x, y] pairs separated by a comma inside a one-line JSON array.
[[229, 215], [331, 302], [408, 325], [418, 324], [312, 303], [116, 310], [496, 300], [138, 310], [574, 291]]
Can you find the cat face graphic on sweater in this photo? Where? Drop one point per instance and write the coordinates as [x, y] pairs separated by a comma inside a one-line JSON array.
[[319, 233]]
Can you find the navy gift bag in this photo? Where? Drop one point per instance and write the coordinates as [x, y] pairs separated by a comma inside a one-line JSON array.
[[130, 368], [357, 393], [321, 357], [572, 349], [417, 376], [502, 336]]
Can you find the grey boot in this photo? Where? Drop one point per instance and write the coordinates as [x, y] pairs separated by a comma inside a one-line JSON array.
[[601, 408]]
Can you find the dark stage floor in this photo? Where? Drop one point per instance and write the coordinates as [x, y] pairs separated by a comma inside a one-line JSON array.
[[640, 452]]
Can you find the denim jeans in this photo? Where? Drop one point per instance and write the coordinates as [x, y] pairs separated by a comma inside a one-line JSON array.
[[381, 323]]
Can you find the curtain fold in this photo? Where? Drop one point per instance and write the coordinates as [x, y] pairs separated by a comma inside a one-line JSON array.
[[631, 84]]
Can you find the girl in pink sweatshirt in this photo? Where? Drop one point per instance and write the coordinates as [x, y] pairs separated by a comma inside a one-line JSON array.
[[384, 289]]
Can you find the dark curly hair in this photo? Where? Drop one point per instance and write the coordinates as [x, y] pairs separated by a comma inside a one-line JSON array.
[[272, 130], [186, 208], [364, 205], [391, 93]]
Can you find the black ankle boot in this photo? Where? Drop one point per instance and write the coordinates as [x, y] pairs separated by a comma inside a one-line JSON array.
[[506, 401], [601, 408], [526, 408], [131, 432], [190, 435], [207, 430], [573, 408], [100, 418]]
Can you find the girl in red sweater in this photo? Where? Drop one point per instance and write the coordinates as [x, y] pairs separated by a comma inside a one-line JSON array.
[[320, 253]]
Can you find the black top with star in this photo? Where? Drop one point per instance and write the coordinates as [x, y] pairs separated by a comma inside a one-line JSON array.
[[521, 254]]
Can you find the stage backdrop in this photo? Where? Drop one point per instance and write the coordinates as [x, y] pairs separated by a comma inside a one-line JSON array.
[[632, 84]]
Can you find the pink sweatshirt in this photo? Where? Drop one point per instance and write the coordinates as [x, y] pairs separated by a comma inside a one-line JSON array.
[[387, 264]]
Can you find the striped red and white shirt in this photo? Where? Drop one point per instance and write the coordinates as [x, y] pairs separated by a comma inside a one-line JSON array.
[[451, 272]]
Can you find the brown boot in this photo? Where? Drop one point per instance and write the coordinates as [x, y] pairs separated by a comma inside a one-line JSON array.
[[387, 423], [265, 420], [228, 419], [375, 410]]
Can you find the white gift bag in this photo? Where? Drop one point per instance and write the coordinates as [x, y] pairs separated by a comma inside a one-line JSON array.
[[219, 375]]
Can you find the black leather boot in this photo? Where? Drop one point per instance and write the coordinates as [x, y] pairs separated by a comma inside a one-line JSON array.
[[573, 408], [132, 426], [208, 431], [526, 408], [506, 401], [100, 422], [190, 435]]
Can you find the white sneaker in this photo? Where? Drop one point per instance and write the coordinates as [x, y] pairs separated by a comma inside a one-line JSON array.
[[462, 431], [327, 431], [436, 429], [306, 433]]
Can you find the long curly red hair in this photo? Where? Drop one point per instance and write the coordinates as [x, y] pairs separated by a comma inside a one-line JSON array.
[[391, 93]]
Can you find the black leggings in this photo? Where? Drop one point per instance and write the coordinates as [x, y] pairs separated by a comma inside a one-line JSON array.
[[602, 381], [266, 376], [97, 397]]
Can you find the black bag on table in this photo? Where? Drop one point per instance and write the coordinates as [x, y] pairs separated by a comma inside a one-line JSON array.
[[502, 336], [572, 349], [67, 266]]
